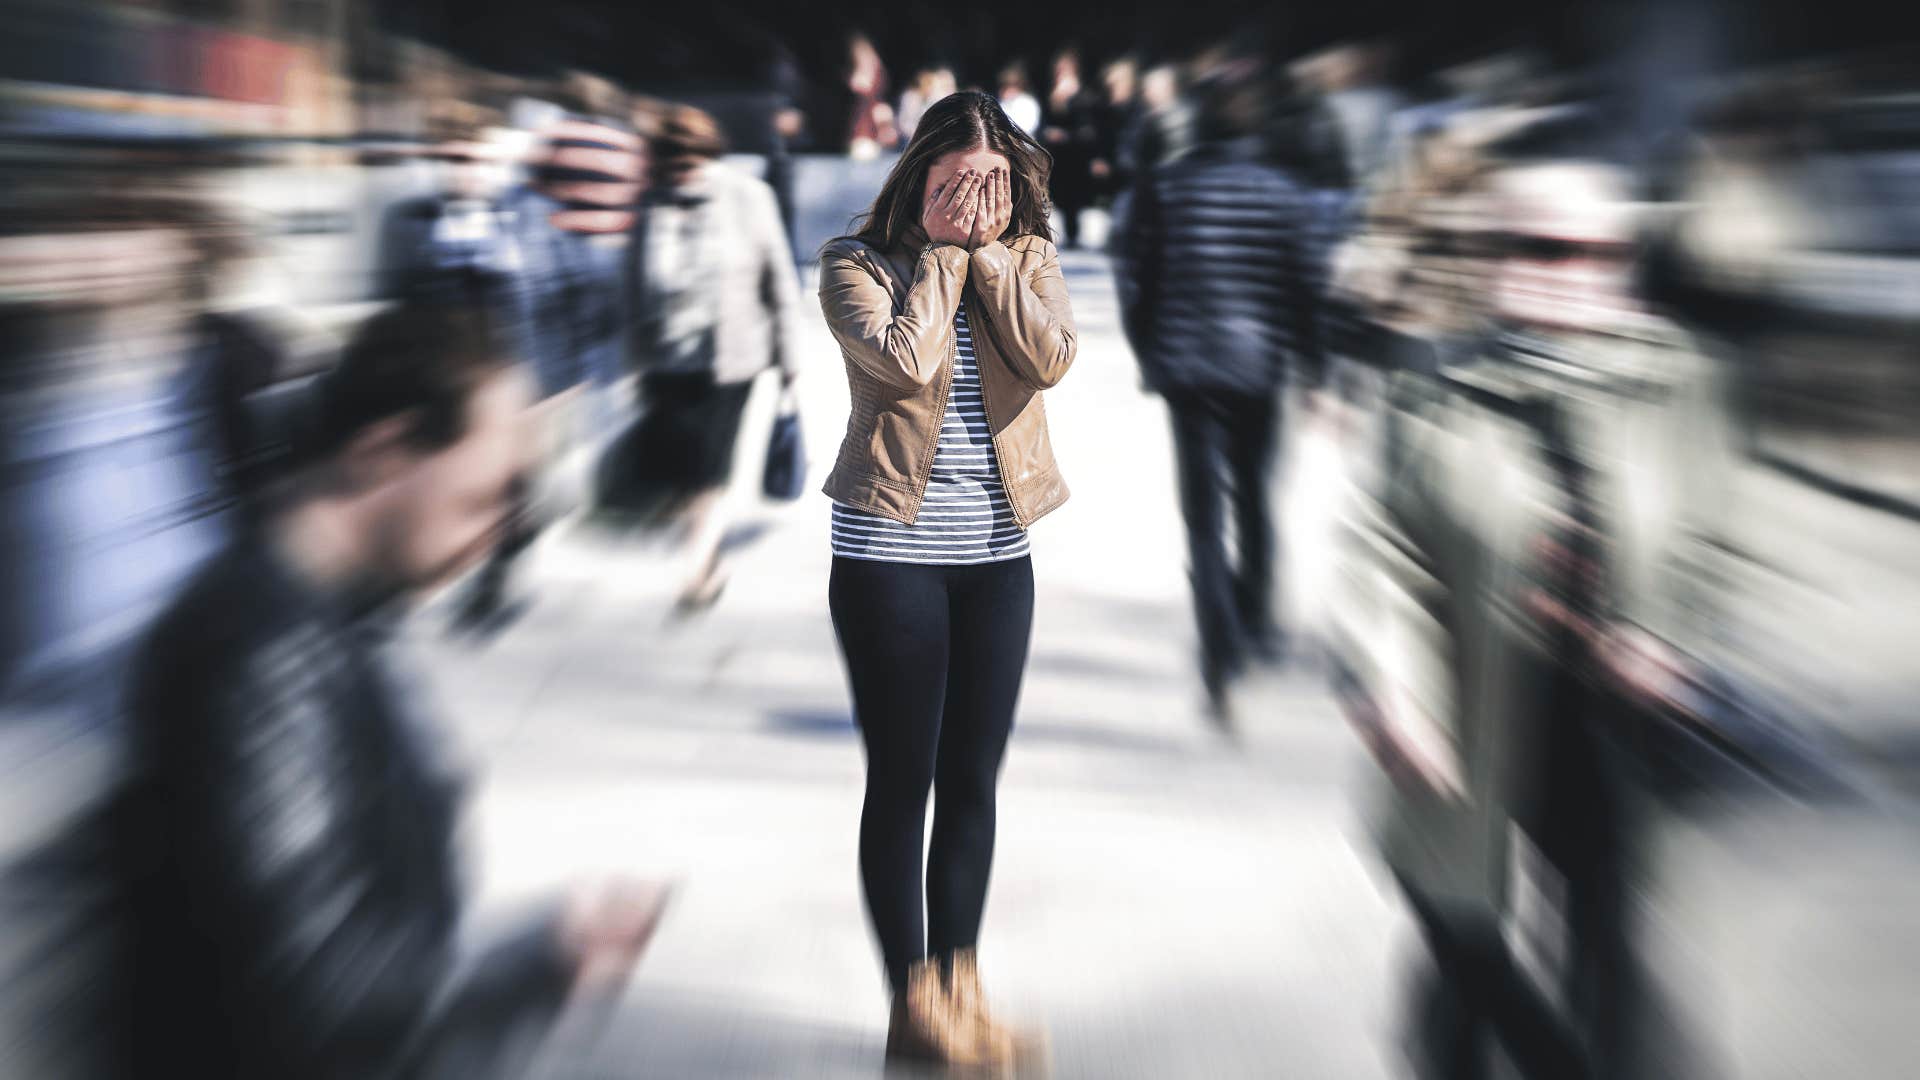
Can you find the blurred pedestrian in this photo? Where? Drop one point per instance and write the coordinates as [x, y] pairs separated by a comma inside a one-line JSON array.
[[1070, 133], [870, 127], [108, 355], [1221, 284], [563, 307], [285, 837], [929, 86], [1016, 101], [786, 126], [1163, 130], [1355, 80], [952, 317], [1119, 111], [454, 244], [714, 303]]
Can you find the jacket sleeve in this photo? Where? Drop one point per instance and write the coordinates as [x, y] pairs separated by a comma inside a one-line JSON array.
[[779, 289], [903, 350], [350, 974], [1030, 321]]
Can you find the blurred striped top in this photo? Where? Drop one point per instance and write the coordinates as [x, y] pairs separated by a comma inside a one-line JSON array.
[[965, 517]]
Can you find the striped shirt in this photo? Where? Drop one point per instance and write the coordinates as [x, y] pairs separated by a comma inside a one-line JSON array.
[[965, 517]]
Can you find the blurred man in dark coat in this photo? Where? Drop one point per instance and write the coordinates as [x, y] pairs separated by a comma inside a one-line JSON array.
[[1221, 282]]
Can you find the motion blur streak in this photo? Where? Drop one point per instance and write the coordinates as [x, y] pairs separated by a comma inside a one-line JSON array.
[[1490, 653]]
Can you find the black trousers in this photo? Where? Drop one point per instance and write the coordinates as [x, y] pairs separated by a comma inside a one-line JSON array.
[[934, 657], [1224, 445]]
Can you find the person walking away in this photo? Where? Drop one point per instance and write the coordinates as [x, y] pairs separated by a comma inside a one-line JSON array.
[[1219, 270], [1020, 105], [284, 837], [952, 318], [1070, 134], [715, 301]]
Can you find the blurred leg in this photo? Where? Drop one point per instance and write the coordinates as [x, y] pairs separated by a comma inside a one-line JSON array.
[[1252, 427], [891, 620], [1488, 993], [992, 617], [706, 525], [1198, 438]]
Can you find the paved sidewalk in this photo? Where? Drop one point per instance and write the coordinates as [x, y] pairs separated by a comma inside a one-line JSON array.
[[1169, 903]]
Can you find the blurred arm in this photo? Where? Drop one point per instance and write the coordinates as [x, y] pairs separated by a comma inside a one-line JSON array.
[[905, 350], [343, 966], [1031, 322]]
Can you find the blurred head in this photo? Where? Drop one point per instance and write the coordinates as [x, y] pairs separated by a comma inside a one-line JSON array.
[[1568, 242], [936, 83], [1233, 103], [422, 432], [1067, 64], [1160, 87], [685, 140], [1122, 79], [968, 130], [1013, 79]]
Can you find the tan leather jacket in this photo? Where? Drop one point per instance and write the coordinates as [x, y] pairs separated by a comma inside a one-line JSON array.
[[892, 313]]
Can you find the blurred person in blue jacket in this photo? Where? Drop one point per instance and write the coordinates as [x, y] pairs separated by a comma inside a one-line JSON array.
[[566, 227]]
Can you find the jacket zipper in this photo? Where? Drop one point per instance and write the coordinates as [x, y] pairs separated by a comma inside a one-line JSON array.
[[993, 433]]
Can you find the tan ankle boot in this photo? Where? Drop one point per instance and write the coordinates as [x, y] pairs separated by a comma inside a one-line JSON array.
[[924, 1026], [1009, 1050]]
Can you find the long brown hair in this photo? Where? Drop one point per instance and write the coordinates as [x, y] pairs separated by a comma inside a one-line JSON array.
[[960, 122]]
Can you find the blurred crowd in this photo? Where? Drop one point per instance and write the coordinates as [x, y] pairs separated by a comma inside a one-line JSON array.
[[1619, 534], [1623, 531]]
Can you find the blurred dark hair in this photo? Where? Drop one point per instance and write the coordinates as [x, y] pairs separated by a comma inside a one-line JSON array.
[[1230, 107], [968, 120], [687, 132], [421, 358]]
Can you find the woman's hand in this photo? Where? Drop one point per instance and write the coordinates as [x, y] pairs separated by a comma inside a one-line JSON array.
[[950, 211], [996, 210]]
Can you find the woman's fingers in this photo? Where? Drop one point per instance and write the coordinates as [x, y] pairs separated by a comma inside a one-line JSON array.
[[970, 192], [956, 190], [969, 202]]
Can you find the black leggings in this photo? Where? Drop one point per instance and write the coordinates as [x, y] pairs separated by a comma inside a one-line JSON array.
[[934, 657]]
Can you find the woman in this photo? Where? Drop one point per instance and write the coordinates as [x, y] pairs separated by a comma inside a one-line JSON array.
[[715, 303], [870, 129], [952, 317]]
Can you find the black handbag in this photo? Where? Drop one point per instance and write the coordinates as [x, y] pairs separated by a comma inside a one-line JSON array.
[[785, 475]]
